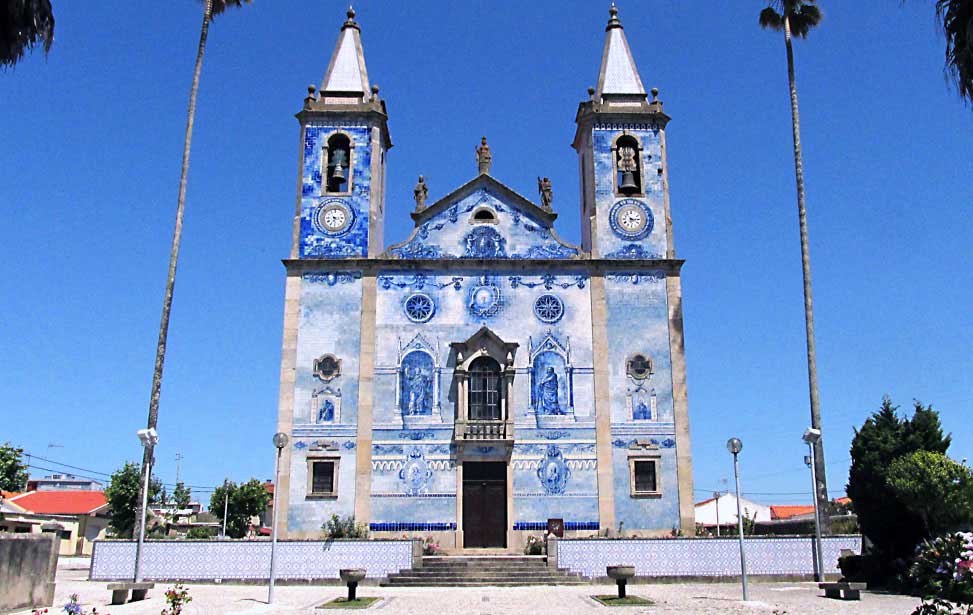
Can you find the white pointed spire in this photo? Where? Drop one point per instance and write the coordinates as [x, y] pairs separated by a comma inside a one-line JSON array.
[[619, 77], [347, 77]]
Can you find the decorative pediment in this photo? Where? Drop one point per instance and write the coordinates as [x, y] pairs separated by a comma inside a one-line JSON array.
[[487, 184], [484, 343], [484, 219]]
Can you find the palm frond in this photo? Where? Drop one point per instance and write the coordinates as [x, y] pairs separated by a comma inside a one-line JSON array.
[[219, 6], [806, 17], [957, 16], [23, 25], [770, 18]]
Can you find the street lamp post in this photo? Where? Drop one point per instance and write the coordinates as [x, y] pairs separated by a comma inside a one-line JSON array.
[[734, 445], [149, 438], [717, 495], [226, 502], [280, 441], [812, 437]]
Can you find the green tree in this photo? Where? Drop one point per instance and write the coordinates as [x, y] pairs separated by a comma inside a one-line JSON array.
[[889, 523], [181, 495], [13, 470], [124, 498], [935, 487], [957, 17], [24, 24], [798, 17], [211, 8], [245, 501]]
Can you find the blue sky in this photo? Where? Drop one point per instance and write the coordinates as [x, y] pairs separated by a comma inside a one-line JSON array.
[[91, 145]]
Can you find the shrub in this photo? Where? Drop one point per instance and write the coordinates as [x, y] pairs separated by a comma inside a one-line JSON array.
[[535, 546], [201, 532], [336, 527], [177, 597], [430, 546], [943, 568]]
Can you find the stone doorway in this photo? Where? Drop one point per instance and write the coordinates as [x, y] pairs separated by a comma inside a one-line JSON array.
[[484, 505]]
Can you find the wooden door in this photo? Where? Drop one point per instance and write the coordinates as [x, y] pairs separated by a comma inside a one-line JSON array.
[[484, 505]]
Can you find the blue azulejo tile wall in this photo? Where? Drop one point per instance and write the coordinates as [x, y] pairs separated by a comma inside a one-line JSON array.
[[325, 393], [641, 403], [612, 241], [335, 224]]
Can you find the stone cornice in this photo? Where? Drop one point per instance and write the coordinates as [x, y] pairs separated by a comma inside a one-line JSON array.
[[671, 266]]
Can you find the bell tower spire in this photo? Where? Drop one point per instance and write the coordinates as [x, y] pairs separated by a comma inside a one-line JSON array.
[[621, 143], [344, 143], [347, 77], [618, 78]]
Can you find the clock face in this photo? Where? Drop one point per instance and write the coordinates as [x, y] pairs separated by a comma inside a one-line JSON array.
[[333, 217], [631, 219]]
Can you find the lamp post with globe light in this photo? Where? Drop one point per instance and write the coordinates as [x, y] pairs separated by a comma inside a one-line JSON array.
[[735, 445], [812, 437], [280, 441], [149, 438]]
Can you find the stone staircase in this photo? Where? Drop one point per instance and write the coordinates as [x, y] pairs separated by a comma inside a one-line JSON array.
[[483, 570]]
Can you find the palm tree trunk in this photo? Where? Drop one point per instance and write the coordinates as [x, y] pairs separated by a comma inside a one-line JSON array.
[[160, 353], [812, 367]]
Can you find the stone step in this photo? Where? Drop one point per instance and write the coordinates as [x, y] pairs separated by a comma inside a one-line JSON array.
[[461, 582], [506, 559], [517, 568], [429, 574]]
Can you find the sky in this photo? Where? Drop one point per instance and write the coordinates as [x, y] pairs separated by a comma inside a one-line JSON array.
[[91, 139]]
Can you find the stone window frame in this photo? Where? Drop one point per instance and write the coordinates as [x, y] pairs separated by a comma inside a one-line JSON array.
[[317, 372], [493, 219], [657, 460], [325, 153], [638, 157], [631, 372], [311, 460]]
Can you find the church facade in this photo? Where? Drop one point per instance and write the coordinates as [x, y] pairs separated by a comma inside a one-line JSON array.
[[480, 377]]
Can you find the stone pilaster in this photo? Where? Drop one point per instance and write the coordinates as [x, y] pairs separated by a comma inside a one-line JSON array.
[[366, 396], [285, 403], [603, 446], [680, 403]]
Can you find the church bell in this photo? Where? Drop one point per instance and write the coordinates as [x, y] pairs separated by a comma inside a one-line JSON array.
[[338, 174], [628, 183]]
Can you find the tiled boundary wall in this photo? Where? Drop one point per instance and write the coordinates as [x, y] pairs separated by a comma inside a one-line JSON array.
[[247, 560], [702, 557]]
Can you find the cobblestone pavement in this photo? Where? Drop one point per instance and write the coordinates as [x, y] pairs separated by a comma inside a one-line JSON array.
[[695, 598]]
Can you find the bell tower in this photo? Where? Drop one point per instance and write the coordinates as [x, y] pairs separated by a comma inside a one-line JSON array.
[[345, 139], [620, 141]]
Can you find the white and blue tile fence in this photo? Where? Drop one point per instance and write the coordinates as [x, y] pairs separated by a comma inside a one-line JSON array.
[[248, 560], [702, 557]]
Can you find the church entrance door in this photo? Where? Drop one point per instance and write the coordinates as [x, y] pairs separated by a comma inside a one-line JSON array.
[[484, 505]]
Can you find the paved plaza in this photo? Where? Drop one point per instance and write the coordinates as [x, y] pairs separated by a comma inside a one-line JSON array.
[[697, 598]]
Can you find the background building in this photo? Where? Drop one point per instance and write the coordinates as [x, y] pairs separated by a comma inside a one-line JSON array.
[[482, 376]]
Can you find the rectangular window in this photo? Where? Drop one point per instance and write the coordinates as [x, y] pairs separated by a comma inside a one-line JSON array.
[[644, 473], [322, 477]]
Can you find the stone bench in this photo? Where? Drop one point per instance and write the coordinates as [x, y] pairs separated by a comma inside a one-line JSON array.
[[119, 591], [843, 590]]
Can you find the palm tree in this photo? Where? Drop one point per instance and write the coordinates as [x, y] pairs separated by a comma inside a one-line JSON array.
[[211, 9], [23, 25], [957, 16], [797, 17]]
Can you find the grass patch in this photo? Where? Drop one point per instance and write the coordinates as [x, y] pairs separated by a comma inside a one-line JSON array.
[[614, 600], [344, 603]]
